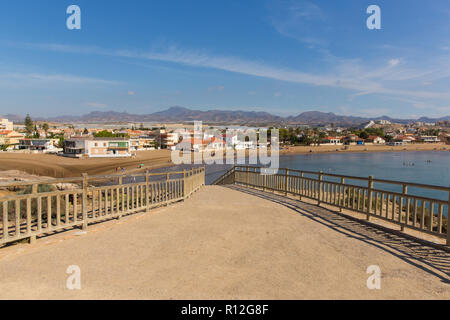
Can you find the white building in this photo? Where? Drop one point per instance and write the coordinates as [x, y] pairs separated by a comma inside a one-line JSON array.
[[5, 124], [369, 125], [331, 141], [97, 147], [376, 140], [430, 139]]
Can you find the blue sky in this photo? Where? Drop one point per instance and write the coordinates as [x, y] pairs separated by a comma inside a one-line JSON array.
[[284, 57]]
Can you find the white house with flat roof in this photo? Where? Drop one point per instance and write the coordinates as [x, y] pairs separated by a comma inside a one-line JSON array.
[[97, 147], [5, 124]]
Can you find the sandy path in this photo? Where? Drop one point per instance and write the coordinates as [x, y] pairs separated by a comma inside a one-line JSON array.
[[225, 244]]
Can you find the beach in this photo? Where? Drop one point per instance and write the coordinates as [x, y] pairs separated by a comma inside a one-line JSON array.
[[362, 148]]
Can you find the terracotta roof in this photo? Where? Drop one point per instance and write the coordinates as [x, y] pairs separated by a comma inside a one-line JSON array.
[[214, 139]]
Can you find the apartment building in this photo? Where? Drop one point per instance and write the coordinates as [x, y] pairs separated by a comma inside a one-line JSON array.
[[97, 147], [169, 140], [5, 124], [10, 138], [42, 145], [142, 143]]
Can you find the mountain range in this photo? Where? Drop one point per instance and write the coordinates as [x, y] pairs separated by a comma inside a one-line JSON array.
[[180, 114]]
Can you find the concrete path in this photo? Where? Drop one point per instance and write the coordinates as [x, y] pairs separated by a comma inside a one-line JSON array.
[[226, 244]]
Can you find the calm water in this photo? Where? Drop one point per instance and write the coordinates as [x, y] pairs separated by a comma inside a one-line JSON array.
[[402, 166], [420, 167]]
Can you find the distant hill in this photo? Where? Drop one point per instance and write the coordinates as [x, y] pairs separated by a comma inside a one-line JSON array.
[[174, 114], [180, 114], [13, 117], [317, 117], [184, 114]]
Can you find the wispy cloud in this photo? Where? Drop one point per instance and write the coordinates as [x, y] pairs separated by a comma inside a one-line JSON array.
[[298, 19], [394, 62], [393, 78], [58, 78]]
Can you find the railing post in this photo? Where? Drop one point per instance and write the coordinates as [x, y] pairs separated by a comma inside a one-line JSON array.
[[369, 205], [320, 187], [191, 182], [184, 184], [120, 206], [84, 201], [339, 195], [286, 182], [405, 192], [204, 176], [264, 178], [448, 220], [147, 189], [247, 176], [301, 185], [34, 190]]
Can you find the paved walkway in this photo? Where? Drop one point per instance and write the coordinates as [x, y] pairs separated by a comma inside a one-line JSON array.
[[226, 244]]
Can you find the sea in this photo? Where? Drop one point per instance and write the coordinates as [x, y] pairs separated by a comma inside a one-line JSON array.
[[422, 167]]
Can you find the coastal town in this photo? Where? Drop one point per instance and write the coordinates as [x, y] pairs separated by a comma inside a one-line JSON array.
[[126, 139], [239, 159]]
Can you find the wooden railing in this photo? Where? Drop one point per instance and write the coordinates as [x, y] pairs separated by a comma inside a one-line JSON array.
[[37, 209], [415, 211]]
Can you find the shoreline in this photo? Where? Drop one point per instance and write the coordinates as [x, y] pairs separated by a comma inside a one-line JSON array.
[[362, 149]]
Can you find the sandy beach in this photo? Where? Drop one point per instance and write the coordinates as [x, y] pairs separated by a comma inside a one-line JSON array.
[[58, 166], [365, 148]]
